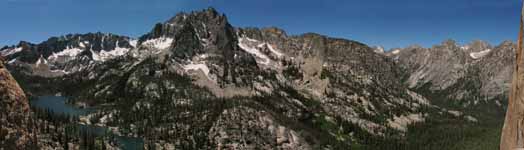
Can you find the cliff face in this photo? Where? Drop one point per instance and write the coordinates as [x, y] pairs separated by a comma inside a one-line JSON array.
[[14, 114], [513, 130]]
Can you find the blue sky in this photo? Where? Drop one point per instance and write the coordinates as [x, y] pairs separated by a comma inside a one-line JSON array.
[[390, 23]]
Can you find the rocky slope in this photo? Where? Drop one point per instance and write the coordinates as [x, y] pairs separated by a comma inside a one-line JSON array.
[[15, 126], [472, 73]]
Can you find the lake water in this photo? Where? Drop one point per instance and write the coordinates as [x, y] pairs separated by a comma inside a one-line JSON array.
[[58, 104]]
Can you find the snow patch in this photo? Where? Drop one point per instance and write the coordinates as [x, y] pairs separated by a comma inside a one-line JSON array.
[[104, 55], [11, 51], [82, 45], [253, 50], [133, 43], [41, 60], [103, 39], [396, 51], [379, 49], [12, 61], [52, 57], [159, 43], [69, 51], [477, 55], [251, 40], [95, 56], [118, 51]]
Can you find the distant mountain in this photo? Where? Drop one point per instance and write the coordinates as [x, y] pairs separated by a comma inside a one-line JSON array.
[[472, 73], [197, 82], [58, 56]]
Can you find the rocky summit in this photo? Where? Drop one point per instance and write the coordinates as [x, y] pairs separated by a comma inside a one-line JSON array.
[[197, 82]]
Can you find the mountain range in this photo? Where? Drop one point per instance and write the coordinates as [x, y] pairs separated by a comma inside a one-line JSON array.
[[197, 82]]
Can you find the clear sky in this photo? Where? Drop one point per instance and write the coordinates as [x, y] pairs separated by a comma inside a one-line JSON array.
[[390, 23]]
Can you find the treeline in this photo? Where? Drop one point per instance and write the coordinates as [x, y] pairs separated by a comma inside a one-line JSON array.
[[65, 130]]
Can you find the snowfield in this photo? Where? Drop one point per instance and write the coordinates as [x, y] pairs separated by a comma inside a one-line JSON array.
[[69, 51], [253, 50], [480, 54], [395, 51], [12, 61], [106, 55], [133, 43], [279, 54], [41, 60], [10, 51], [159, 43]]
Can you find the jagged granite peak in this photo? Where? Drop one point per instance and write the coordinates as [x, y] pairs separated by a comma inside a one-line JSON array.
[[205, 34], [83, 42], [206, 15], [68, 53], [203, 22]]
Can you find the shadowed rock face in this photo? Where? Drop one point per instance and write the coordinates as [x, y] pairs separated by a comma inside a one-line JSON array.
[[512, 137], [14, 114]]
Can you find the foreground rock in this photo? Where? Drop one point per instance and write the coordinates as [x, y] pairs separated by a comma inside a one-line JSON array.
[[513, 131], [15, 126]]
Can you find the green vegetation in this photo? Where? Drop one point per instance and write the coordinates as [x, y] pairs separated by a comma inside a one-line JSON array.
[[444, 131], [64, 130]]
